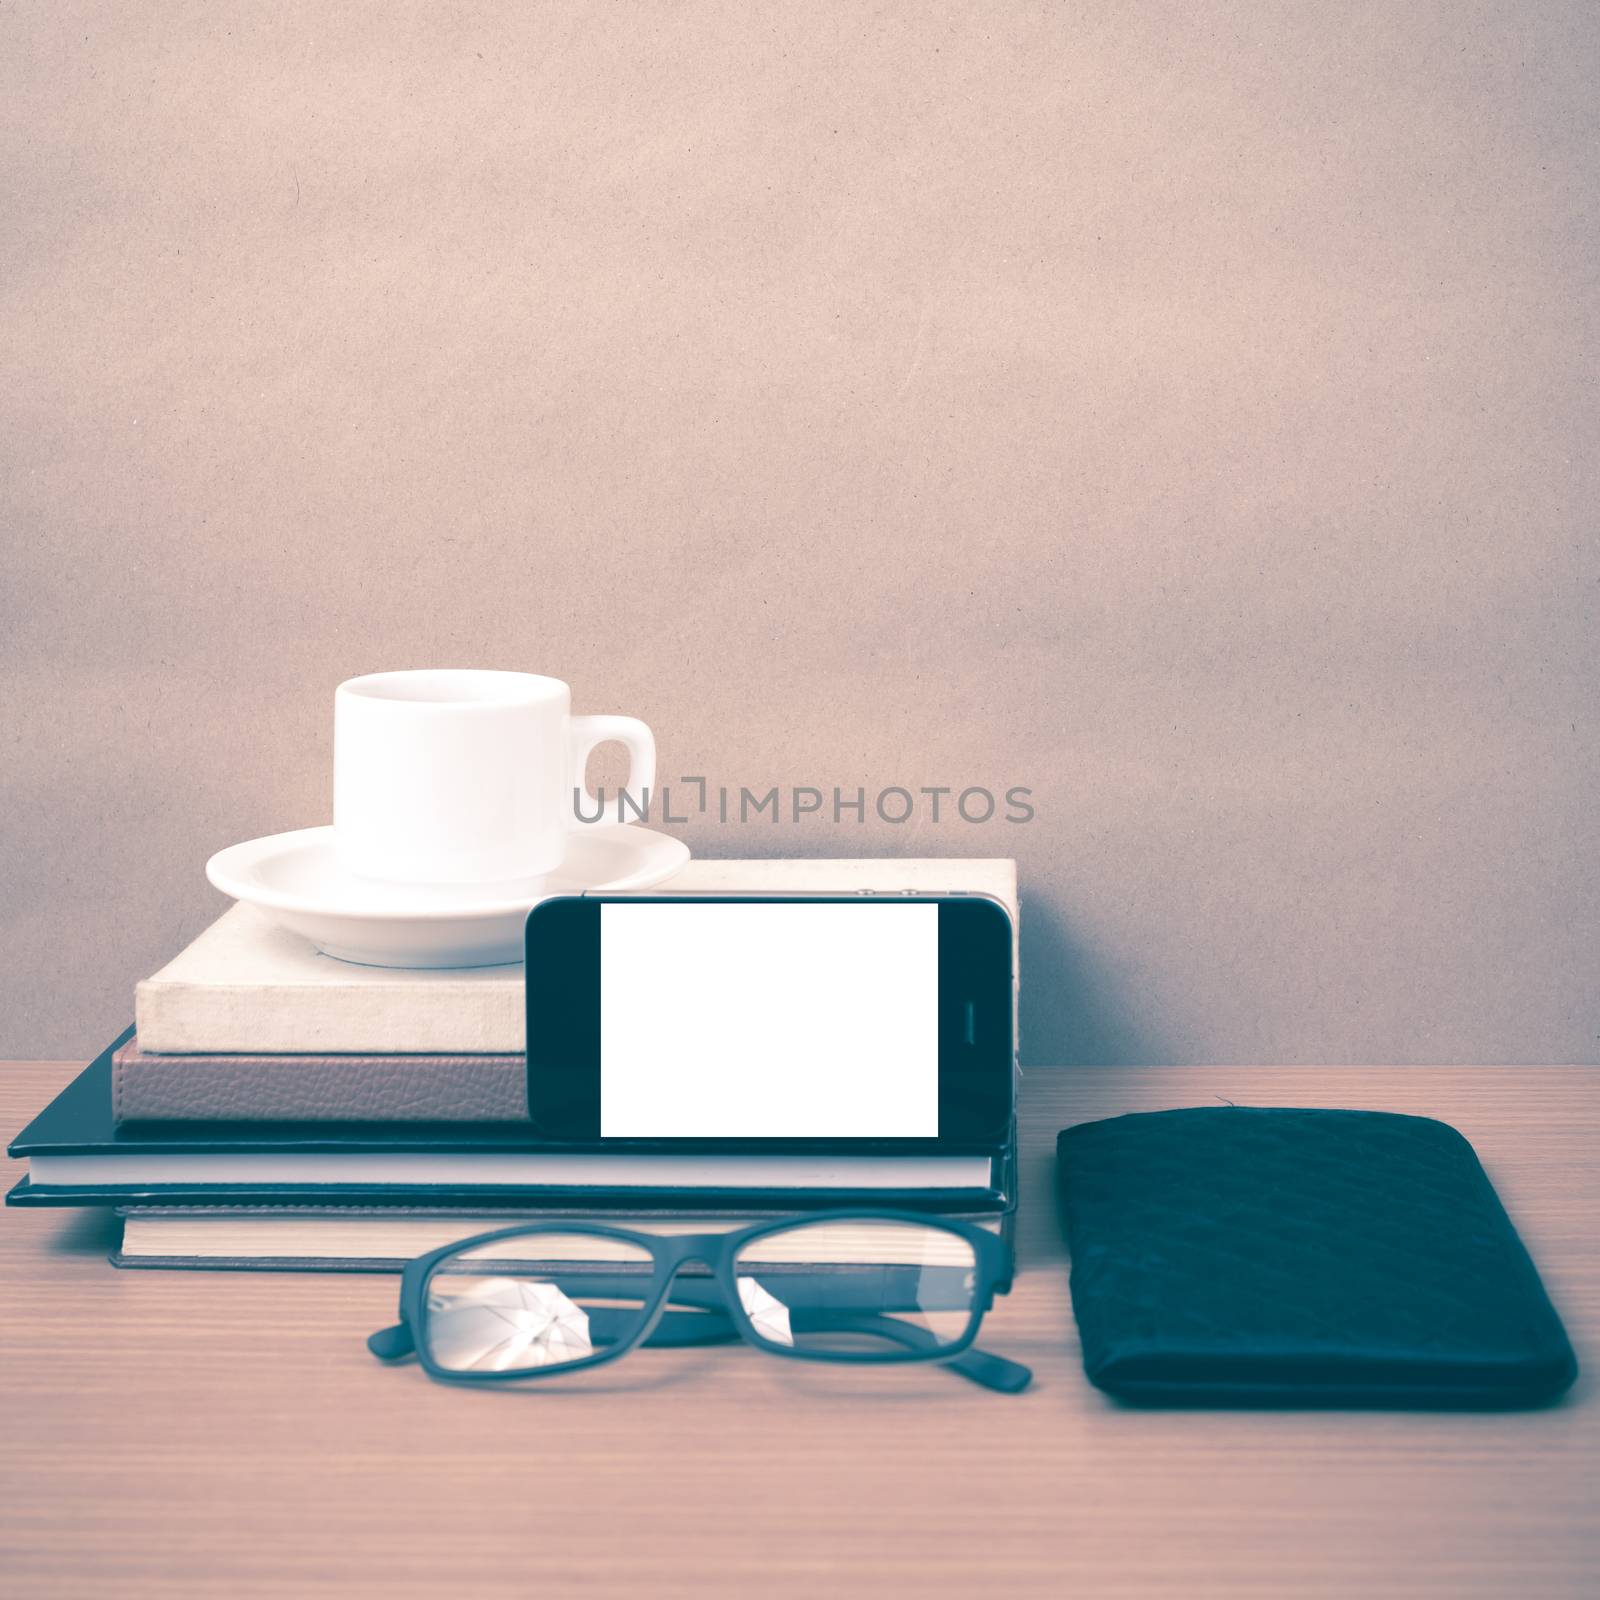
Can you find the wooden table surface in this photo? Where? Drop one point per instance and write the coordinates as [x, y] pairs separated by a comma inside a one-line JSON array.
[[227, 1433]]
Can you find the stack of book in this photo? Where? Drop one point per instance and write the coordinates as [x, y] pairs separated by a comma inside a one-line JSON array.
[[276, 1108]]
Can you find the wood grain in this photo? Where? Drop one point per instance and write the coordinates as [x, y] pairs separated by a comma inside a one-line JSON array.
[[217, 1433]]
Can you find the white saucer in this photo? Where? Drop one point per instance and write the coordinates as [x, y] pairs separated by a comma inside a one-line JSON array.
[[297, 880]]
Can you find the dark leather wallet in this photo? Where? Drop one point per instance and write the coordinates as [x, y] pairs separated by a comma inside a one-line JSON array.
[[1238, 1255]]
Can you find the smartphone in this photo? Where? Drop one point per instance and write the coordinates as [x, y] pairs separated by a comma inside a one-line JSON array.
[[771, 1022]]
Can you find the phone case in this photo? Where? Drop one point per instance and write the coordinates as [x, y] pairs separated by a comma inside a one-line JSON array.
[[1242, 1255]]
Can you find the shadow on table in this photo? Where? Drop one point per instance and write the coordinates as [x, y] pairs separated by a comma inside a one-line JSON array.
[[85, 1231]]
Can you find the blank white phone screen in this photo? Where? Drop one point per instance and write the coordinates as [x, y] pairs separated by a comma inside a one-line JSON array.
[[769, 1021]]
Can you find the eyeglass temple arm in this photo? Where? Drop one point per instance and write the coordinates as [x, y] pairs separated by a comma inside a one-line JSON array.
[[689, 1327], [992, 1371], [392, 1344]]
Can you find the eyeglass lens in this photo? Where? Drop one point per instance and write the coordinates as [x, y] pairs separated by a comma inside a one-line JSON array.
[[865, 1287], [536, 1301]]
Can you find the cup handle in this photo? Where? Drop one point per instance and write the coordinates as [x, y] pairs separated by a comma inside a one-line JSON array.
[[586, 733]]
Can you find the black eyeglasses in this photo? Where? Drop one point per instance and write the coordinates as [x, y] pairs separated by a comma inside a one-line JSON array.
[[857, 1286]]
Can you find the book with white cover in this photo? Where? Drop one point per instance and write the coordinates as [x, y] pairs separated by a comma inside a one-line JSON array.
[[247, 986], [349, 1238]]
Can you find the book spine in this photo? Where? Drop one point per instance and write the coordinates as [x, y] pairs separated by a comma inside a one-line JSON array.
[[150, 1087]]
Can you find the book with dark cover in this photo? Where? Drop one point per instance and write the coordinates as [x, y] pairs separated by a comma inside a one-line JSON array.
[[78, 1155]]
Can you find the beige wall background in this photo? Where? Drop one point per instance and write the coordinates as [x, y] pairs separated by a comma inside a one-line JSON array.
[[1187, 411]]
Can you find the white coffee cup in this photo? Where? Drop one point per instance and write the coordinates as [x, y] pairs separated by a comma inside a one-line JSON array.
[[465, 776]]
